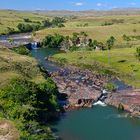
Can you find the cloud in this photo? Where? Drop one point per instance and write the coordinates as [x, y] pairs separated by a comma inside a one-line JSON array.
[[114, 7], [79, 3], [99, 4], [133, 3]]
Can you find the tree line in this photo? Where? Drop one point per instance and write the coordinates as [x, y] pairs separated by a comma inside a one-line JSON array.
[[76, 41], [55, 22]]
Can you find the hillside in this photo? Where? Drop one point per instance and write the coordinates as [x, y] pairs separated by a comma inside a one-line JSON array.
[[114, 12], [13, 65], [28, 97], [100, 28], [11, 18]]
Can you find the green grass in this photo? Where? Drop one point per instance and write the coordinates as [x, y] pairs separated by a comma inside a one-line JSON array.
[[11, 19], [119, 62], [100, 33], [95, 30], [13, 65]]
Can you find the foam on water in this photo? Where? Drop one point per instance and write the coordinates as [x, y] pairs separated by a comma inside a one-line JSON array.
[[100, 103]]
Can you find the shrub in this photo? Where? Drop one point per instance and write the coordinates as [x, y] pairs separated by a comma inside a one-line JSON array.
[[27, 20], [22, 50], [53, 41], [110, 87], [46, 23], [138, 53], [30, 104], [24, 27], [10, 30]]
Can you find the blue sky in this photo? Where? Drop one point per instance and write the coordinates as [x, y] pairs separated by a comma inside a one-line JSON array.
[[67, 4]]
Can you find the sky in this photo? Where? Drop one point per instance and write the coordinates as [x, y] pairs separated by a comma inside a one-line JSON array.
[[75, 5]]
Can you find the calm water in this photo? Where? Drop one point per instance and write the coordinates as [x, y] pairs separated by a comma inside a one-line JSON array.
[[97, 123]]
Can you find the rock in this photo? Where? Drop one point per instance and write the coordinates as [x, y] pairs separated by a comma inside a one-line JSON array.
[[128, 100]]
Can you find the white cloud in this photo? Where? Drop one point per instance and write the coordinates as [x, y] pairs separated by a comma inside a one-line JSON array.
[[133, 3], [99, 4], [79, 3], [114, 7]]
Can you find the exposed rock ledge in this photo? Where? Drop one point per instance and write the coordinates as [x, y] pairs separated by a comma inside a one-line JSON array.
[[129, 99], [82, 86], [83, 91]]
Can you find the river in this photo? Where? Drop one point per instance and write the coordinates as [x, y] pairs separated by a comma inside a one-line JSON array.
[[97, 123]]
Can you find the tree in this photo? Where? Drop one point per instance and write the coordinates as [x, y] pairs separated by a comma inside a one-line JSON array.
[[58, 21], [10, 30], [25, 27], [46, 23], [138, 53], [27, 20], [75, 39], [83, 37], [53, 41], [110, 42], [127, 39]]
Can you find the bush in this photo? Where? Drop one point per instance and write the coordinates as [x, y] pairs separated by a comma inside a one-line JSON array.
[[30, 104], [27, 20], [53, 41], [24, 27], [46, 23], [110, 87], [22, 50], [10, 30], [138, 53]]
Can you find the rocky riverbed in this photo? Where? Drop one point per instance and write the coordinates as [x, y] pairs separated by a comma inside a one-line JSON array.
[[84, 88]]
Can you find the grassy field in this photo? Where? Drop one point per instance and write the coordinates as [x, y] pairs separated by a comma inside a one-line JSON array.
[[9, 18], [123, 24], [95, 30], [13, 65], [121, 63]]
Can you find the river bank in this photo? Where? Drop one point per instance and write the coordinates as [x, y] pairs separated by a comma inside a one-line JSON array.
[[84, 87]]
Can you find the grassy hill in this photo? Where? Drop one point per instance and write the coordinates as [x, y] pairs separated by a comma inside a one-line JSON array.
[[96, 25], [96, 28], [13, 65], [22, 86], [117, 62], [11, 18]]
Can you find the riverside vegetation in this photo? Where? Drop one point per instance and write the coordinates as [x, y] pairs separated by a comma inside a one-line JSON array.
[[28, 98], [103, 58]]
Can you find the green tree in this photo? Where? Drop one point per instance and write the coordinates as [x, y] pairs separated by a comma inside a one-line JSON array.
[[127, 39], [24, 27], [138, 53], [27, 20], [110, 42], [75, 39], [57, 21], [83, 36], [53, 41], [46, 23]]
